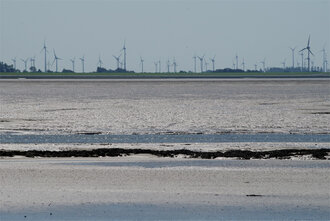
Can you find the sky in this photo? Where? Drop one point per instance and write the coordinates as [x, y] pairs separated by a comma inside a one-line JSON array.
[[163, 30]]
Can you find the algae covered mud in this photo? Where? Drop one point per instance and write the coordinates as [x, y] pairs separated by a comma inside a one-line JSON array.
[[226, 111]]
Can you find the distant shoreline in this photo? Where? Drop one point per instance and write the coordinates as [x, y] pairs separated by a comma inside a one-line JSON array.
[[161, 75]]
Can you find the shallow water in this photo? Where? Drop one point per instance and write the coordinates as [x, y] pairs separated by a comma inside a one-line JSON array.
[[163, 138], [246, 164]]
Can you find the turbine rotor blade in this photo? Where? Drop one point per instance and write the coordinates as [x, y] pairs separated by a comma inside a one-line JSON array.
[[309, 37]]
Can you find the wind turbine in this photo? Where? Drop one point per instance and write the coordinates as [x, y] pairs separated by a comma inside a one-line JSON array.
[[141, 60], [308, 48], [302, 61], [205, 64], [25, 63], [255, 66], [324, 59], [236, 61], [14, 61], [32, 60], [45, 49], [264, 64], [72, 61], [83, 63], [174, 65], [156, 66], [168, 65], [159, 66], [100, 63], [292, 50], [213, 61], [117, 59], [195, 57], [201, 60], [124, 49], [243, 65], [49, 65], [56, 59], [283, 63]]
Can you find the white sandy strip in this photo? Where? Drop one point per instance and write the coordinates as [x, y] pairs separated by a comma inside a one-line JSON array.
[[255, 146], [147, 188]]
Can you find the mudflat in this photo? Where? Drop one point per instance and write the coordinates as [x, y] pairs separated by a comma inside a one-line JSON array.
[[143, 187]]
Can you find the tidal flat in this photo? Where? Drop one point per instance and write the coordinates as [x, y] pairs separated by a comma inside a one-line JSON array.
[[140, 185]]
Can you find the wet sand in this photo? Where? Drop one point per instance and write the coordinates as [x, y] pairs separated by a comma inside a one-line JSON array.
[[148, 188]]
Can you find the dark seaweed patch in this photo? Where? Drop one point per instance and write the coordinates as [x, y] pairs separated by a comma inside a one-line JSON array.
[[254, 195], [324, 112], [267, 103], [115, 152], [89, 133]]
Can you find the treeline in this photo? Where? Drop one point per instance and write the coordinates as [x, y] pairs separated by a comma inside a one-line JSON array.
[[7, 68], [118, 70]]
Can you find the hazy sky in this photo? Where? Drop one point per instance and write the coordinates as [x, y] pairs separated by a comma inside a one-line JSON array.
[[162, 29]]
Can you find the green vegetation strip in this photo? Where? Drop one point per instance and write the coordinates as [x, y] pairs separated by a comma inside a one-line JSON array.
[[115, 152]]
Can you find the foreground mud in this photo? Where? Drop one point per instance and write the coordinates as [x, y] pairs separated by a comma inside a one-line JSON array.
[[142, 187], [115, 152]]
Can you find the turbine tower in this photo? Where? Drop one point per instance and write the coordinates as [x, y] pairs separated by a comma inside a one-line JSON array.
[[324, 62], [33, 60], [141, 60], [72, 61], [302, 61], [236, 61], [243, 65], [100, 62], [156, 66], [83, 63], [195, 57], [14, 61], [49, 65], [308, 48], [168, 65], [25, 63], [56, 59], [174, 65], [292, 51], [213, 61], [124, 49], [45, 49], [205, 63], [118, 60], [159, 66], [255, 66], [264, 64], [201, 60], [283, 63]]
